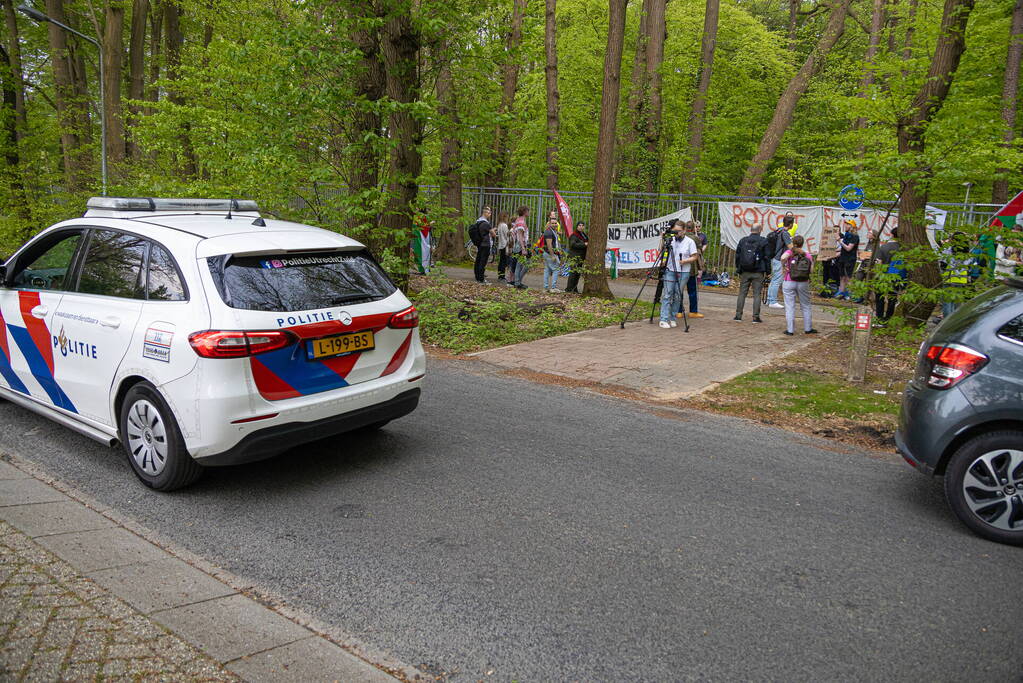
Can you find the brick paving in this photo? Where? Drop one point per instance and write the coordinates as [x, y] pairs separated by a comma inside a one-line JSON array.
[[661, 364], [55, 624]]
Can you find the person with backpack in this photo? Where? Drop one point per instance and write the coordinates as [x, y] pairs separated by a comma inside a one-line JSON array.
[[893, 265], [751, 259], [482, 235], [777, 242], [797, 264], [518, 244]]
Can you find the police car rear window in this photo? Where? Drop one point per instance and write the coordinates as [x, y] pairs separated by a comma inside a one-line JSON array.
[[299, 282]]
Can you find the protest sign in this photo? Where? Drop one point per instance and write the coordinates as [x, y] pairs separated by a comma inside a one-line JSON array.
[[639, 244], [738, 217]]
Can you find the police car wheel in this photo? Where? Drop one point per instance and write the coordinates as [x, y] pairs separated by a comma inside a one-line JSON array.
[[152, 441]]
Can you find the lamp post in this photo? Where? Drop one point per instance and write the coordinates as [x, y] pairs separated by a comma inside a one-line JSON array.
[[36, 15]]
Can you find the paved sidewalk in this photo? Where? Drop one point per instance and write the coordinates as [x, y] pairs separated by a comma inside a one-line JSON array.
[[83, 598], [662, 364]]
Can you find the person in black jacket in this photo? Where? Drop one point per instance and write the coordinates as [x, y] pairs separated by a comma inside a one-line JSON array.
[[577, 244], [751, 259], [486, 234]]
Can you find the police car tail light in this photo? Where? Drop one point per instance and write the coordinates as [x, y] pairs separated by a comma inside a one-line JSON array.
[[951, 364], [406, 319], [238, 344]]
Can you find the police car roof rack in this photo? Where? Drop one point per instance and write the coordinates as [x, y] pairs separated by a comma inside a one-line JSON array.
[[115, 206]]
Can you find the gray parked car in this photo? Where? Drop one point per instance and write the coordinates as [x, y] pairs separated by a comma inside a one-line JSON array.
[[962, 413]]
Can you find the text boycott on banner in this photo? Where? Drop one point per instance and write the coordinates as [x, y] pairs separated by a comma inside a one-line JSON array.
[[738, 217], [639, 244]]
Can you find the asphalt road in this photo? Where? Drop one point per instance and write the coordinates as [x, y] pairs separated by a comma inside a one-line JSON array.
[[540, 533]]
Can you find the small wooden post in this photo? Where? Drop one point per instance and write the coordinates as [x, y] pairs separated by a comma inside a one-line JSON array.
[[860, 345]]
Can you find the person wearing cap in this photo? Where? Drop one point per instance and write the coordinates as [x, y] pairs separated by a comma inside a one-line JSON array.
[[848, 250]]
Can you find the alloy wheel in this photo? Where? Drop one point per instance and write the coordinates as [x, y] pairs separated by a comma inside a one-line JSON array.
[[993, 489]]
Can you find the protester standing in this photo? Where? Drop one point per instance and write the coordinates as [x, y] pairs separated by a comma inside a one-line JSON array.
[[957, 272], [751, 259], [577, 244], [486, 236], [502, 245], [695, 230], [798, 264], [848, 252], [893, 265], [777, 243], [551, 256], [682, 253], [519, 245]]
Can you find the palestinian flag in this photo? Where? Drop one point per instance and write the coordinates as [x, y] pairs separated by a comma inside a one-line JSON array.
[[1009, 215], [421, 247]]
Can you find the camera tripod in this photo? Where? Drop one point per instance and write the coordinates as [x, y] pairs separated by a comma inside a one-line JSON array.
[[658, 268]]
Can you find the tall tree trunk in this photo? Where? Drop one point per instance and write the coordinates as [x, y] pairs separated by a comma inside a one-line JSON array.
[[788, 100], [113, 56], [655, 57], [155, 51], [551, 73], [17, 73], [136, 70], [637, 92], [399, 47], [175, 41], [9, 137], [907, 45], [873, 45], [1010, 93], [510, 83], [72, 110], [365, 159], [596, 279], [699, 112], [450, 244], [911, 129], [790, 33]]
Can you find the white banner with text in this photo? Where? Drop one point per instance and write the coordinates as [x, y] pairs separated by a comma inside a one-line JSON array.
[[639, 244], [738, 217]]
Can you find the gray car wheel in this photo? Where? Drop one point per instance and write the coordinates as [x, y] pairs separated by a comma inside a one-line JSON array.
[[152, 441], [984, 485]]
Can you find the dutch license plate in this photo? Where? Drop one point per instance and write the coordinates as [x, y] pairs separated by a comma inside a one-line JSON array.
[[341, 344]]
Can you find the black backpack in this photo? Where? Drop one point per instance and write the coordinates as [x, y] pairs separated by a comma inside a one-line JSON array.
[[474, 233], [799, 267], [749, 257], [772, 243]]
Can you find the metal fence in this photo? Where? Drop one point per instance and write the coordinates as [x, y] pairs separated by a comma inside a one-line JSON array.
[[630, 207]]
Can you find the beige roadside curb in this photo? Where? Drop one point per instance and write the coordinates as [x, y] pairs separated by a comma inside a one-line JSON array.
[[247, 630]]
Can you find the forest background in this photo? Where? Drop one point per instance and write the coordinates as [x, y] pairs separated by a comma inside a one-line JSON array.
[[277, 101]]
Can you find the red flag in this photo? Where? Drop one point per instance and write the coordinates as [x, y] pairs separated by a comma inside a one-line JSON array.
[[1006, 216], [564, 215]]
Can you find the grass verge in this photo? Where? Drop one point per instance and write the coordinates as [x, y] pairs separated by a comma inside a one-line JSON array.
[[808, 391], [462, 317]]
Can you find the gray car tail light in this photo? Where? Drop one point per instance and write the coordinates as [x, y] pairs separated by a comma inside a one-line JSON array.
[[951, 364]]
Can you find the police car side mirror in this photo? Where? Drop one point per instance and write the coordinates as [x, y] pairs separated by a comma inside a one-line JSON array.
[[3, 275]]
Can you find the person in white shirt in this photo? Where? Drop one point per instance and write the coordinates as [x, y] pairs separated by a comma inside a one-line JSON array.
[[682, 253]]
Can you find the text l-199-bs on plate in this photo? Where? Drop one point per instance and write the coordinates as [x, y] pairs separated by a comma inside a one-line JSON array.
[[341, 344]]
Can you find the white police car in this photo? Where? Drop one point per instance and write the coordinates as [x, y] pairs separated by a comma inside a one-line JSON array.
[[197, 333]]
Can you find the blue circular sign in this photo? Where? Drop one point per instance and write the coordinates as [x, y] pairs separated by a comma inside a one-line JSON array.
[[851, 197]]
